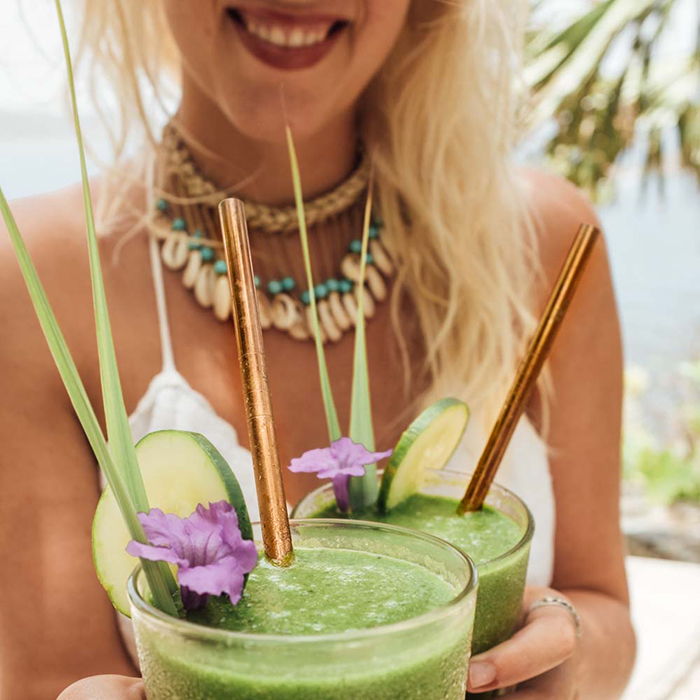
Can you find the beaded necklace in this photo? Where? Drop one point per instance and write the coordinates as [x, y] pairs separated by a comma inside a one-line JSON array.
[[186, 221]]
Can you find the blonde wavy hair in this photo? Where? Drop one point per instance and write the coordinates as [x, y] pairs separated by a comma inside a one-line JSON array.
[[439, 120]]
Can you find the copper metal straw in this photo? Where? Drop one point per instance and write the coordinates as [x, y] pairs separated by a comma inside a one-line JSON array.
[[530, 367], [277, 539]]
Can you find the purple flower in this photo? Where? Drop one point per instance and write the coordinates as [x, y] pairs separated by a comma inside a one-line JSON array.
[[339, 462], [211, 555]]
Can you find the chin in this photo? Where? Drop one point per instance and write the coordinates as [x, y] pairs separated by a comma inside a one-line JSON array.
[[267, 113], [274, 68]]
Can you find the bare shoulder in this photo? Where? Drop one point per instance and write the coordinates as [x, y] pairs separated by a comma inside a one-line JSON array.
[[559, 208], [51, 226]]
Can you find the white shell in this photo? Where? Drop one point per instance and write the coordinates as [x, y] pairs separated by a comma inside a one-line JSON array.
[[264, 310], [350, 266], [381, 257], [375, 283], [222, 298], [325, 318], [189, 276], [299, 331], [284, 312], [368, 305], [204, 285], [340, 315], [174, 252], [350, 305]]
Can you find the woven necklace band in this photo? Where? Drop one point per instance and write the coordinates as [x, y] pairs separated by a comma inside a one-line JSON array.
[[186, 221], [264, 218]]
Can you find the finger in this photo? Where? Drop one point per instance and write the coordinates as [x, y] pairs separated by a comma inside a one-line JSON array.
[[557, 684], [547, 640], [106, 687]]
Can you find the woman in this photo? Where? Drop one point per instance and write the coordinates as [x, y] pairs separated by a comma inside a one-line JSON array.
[[424, 88]]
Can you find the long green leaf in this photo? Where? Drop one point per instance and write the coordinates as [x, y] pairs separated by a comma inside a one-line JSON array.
[[119, 434], [363, 489], [328, 403], [120, 444], [81, 403]]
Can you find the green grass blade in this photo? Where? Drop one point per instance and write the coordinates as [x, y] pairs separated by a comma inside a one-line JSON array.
[[121, 444], [118, 431], [364, 489], [328, 403], [79, 398]]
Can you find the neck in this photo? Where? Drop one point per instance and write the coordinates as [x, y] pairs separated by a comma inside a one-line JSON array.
[[259, 170]]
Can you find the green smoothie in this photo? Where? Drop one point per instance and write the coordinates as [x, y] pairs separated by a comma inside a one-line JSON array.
[[339, 624], [326, 593], [485, 536]]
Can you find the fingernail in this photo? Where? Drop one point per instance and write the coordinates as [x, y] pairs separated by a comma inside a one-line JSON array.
[[481, 673]]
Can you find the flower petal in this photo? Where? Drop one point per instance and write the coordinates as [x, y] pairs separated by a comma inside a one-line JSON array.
[[146, 551], [341, 490], [350, 453], [208, 547], [314, 460], [225, 576], [162, 529]]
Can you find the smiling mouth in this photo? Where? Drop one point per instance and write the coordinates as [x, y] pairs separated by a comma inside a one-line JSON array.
[[293, 33]]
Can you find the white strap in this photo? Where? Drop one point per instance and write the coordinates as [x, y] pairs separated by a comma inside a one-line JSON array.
[[166, 344]]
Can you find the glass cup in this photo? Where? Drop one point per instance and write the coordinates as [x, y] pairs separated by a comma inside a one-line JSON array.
[[501, 580], [422, 658]]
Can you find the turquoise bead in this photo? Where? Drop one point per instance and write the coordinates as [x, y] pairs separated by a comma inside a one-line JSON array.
[[333, 285], [374, 231], [179, 224], [321, 291], [274, 286], [345, 286], [162, 205], [197, 234], [305, 297], [356, 246], [256, 279], [369, 259], [207, 254], [288, 284], [220, 267]]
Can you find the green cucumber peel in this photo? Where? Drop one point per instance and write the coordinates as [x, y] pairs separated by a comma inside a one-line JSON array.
[[428, 443], [181, 470]]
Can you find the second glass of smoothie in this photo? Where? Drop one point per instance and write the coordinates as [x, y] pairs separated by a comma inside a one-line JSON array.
[[497, 539]]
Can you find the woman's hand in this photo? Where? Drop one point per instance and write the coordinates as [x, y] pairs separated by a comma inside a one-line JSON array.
[[105, 688], [538, 658]]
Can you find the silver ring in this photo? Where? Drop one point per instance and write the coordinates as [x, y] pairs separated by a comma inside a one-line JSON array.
[[560, 602]]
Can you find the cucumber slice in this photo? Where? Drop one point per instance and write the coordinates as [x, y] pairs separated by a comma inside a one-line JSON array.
[[180, 470], [428, 443]]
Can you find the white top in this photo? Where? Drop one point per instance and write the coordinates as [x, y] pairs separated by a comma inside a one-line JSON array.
[[171, 403]]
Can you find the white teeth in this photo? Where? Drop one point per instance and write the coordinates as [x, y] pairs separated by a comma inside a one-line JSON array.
[[296, 37], [280, 36], [277, 36]]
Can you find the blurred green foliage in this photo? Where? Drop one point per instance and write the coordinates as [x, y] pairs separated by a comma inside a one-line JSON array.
[[605, 83], [669, 473]]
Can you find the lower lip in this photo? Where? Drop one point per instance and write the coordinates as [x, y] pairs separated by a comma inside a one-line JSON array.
[[286, 57]]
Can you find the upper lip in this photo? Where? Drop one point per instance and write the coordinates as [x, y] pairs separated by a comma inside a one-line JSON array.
[[295, 14]]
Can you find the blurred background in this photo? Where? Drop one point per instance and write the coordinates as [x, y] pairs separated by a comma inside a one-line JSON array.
[[614, 106]]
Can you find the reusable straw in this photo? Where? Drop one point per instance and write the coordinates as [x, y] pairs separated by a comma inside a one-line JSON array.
[[276, 536], [529, 369]]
